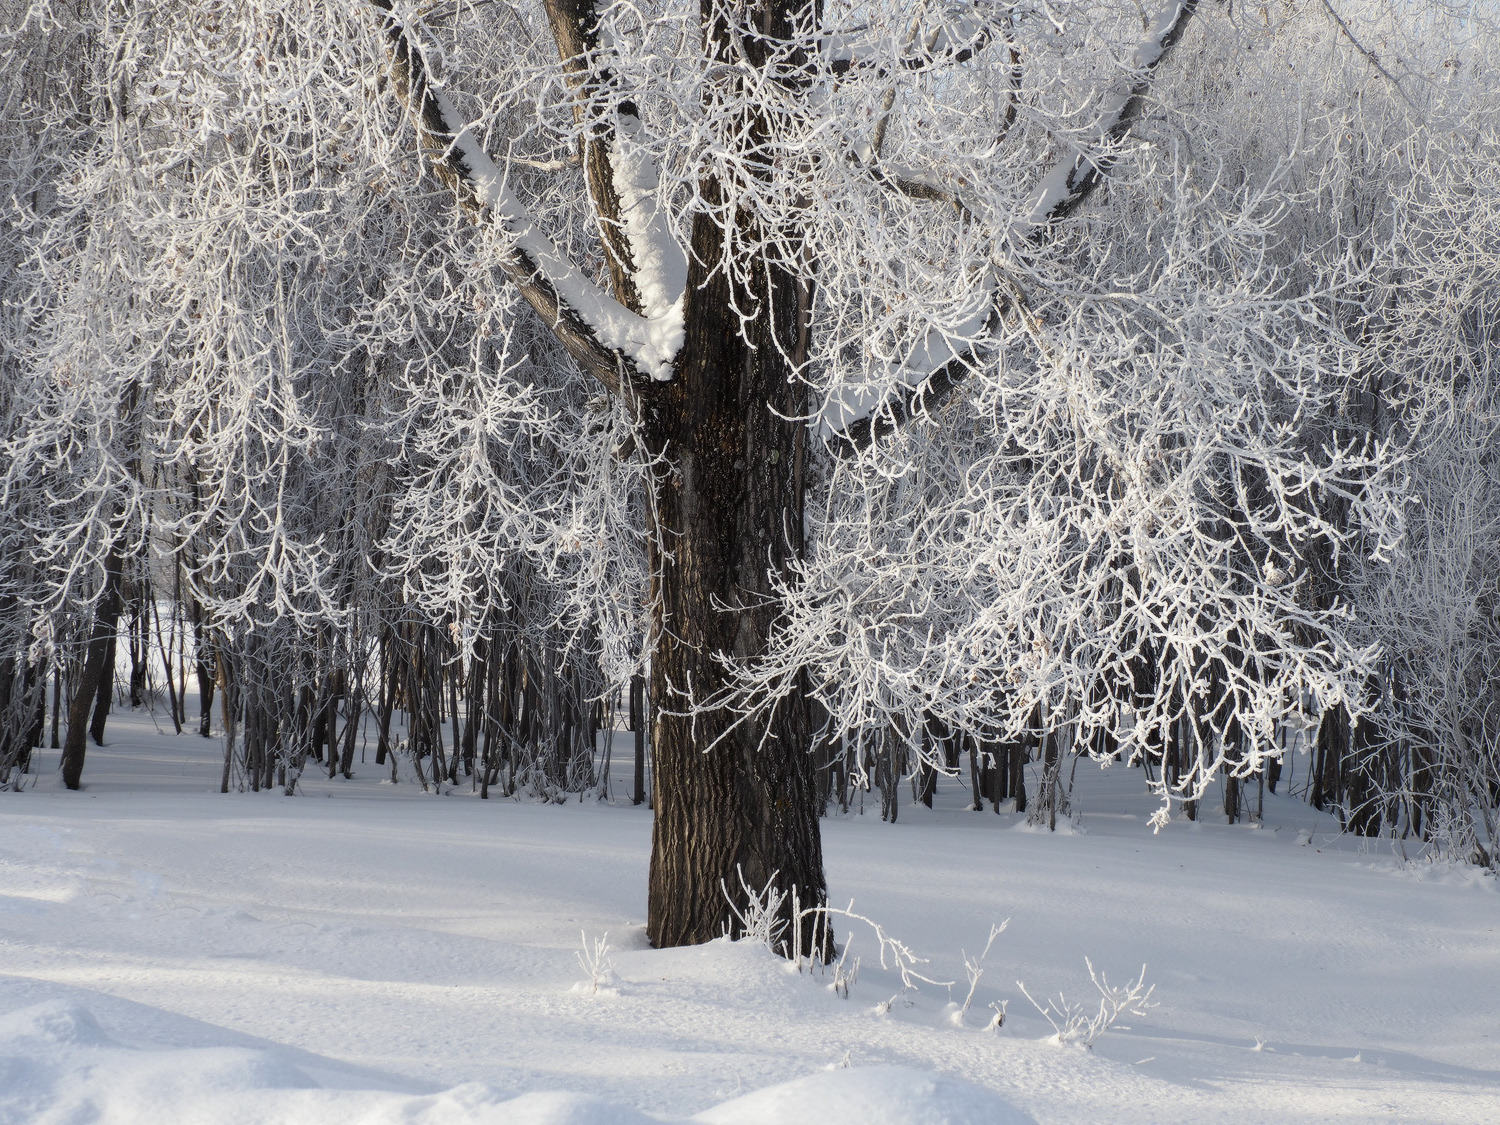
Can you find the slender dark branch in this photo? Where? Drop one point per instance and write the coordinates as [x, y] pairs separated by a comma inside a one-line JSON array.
[[438, 139], [1368, 54], [927, 58], [1091, 165], [1082, 178]]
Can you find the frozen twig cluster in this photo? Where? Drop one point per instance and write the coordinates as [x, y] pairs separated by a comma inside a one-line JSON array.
[[594, 960], [777, 920], [894, 953], [761, 914], [974, 969], [1077, 1024]]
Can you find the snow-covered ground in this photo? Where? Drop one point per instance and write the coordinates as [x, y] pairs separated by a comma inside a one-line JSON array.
[[367, 953]]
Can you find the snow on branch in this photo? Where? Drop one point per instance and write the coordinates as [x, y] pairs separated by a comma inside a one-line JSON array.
[[854, 417], [1074, 178], [660, 264], [602, 334]]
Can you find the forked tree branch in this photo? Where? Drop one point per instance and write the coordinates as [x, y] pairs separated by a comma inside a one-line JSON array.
[[439, 138], [575, 28]]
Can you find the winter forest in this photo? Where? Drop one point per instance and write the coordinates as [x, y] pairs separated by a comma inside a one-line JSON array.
[[739, 442]]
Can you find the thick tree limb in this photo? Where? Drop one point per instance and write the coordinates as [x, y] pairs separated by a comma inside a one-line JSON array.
[[575, 28], [606, 338]]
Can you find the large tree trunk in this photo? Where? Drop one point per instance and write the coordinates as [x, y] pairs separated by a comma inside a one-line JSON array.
[[734, 799]]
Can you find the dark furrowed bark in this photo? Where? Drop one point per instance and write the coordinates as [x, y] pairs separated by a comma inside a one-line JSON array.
[[735, 796], [736, 801]]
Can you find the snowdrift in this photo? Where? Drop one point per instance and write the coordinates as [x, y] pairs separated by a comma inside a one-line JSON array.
[[57, 1065]]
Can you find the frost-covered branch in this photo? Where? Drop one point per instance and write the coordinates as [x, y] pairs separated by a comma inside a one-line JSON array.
[[923, 386], [1075, 177], [961, 34], [1071, 1022]]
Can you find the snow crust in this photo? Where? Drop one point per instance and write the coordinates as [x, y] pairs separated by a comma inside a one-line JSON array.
[[869, 1096]]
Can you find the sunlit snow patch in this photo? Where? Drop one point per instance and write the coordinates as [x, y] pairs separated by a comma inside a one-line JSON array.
[[887, 1095]]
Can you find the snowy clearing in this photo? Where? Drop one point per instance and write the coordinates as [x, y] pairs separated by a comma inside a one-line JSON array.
[[365, 953]]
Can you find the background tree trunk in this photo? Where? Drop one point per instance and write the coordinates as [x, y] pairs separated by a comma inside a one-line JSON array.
[[97, 671], [638, 728]]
